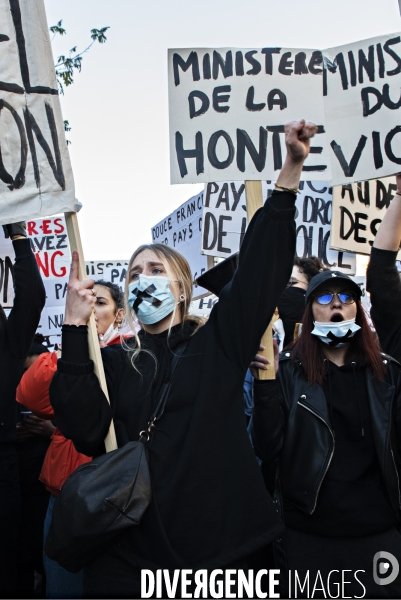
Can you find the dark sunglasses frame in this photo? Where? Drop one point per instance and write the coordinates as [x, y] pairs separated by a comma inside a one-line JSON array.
[[350, 296]]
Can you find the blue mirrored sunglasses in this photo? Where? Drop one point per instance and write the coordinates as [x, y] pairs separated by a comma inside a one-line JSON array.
[[327, 297]]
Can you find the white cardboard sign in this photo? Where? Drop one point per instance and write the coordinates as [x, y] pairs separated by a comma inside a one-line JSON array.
[[358, 210], [101, 269], [225, 221], [35, 171], [228, 108], [362, 96], [49, 242], [182, 230]]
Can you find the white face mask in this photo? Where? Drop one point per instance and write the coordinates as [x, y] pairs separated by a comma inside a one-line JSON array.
[[108, 333], [335, 334]]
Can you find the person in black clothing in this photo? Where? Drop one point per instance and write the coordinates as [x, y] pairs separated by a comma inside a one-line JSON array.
[[291, 305], [383, 280], [209, 506], [333, 420], [33, 436], [16, 335]]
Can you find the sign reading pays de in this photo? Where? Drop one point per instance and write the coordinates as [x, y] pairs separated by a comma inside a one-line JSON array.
[[35, 171], [225, 221], [182, 230], [228, 108], [358, 210]]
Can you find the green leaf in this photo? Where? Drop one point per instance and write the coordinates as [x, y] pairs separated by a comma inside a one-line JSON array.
[[58, 29], [99, 35]]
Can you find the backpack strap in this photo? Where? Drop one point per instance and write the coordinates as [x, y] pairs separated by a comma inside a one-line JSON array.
[[145, 435]]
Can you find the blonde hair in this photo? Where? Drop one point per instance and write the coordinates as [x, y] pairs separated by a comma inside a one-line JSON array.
[[177, 268]]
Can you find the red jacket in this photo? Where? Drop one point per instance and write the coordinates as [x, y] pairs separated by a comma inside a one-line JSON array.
[[33, 392]]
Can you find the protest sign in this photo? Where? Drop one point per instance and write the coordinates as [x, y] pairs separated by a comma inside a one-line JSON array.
[[202, 307], [50, 244], [361, 90], [116, 274], [360, 280], [182, 230], [358, 210], [225, 221], [103, 269], [35, 171], [228, 108]]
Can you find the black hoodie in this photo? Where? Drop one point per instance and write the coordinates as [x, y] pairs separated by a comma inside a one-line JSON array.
[[16, 333], [209, 506]]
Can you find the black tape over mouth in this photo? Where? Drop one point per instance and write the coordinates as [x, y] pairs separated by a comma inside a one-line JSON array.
[[339, 340], [145, 296]]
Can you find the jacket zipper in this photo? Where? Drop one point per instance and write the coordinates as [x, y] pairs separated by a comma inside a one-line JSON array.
[[398, 479], [331, 455]]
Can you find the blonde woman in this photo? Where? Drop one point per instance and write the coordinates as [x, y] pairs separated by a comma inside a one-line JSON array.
[[209, 508]]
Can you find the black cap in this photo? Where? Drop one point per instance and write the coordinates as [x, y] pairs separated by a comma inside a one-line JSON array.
[[217, 277], [327, 277]]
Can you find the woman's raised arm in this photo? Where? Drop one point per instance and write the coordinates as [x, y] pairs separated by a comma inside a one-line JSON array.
[[383, 280], [81, 409], [247, 303]]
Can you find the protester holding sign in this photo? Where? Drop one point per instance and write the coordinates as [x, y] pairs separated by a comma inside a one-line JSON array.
[[16, 335], [383, 280], [326, 419], [203, 513]]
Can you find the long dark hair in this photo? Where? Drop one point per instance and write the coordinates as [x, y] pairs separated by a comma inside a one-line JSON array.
[[364, 348]]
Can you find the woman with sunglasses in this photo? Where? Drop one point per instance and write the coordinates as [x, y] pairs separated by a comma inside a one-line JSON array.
[[332, 422]]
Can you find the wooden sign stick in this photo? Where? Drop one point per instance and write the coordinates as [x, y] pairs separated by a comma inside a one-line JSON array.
[[74, 238], [254, 201]]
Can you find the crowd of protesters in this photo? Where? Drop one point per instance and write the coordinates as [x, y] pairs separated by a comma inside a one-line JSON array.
[[300, 473]]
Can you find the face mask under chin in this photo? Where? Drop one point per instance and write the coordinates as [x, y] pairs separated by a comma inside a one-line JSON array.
[[105, 337], [335, 334]]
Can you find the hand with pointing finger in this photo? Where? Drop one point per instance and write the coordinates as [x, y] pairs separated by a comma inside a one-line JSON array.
[[81, 296]]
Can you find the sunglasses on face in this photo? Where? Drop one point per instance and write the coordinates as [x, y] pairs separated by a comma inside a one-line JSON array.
[[327, 297]]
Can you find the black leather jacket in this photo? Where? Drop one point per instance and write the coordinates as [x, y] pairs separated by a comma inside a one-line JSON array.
[[291, 423]]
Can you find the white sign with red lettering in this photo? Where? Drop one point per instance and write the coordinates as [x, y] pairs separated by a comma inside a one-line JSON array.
[[50, 244]]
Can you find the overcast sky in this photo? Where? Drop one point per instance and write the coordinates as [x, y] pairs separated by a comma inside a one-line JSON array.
[[118, 106]]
